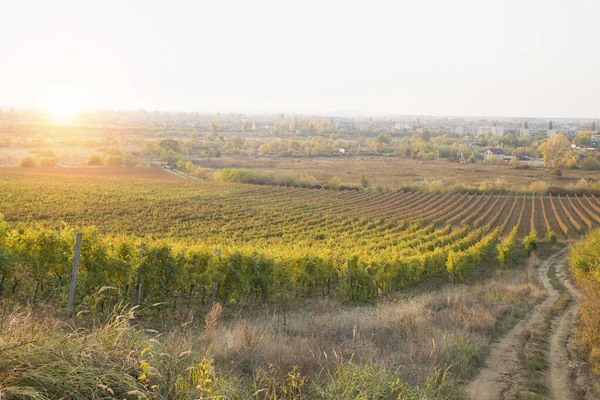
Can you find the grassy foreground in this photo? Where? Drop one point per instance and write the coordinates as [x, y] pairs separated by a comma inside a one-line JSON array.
[[420, 346]]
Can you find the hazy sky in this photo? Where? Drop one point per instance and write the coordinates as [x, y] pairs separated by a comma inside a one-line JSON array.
[[442, 57]]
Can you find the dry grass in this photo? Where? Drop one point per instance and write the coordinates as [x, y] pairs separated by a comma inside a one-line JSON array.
[[421, 346], [445, 332], [398, 172], [41, 357]]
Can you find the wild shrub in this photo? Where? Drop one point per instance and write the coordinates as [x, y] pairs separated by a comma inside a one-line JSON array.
[[27, 162], [584, 263], [94, 160], [46, 162]]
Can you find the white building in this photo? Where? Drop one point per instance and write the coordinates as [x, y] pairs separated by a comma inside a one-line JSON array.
[[494, 130], [399, 126], [595, 139], [466, 130], [524, 132]]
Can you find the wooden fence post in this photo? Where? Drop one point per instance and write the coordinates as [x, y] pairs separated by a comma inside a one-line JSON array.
[[349, 280], [75, 272], [138, 288], [215, 288]]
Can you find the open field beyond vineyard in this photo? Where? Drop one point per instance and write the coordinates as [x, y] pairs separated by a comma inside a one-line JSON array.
[[399, 172]]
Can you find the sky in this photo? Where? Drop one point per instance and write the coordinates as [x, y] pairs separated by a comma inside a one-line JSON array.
[[434, 57]]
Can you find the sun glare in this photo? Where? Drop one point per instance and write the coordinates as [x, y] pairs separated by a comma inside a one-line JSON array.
[[62, 112]]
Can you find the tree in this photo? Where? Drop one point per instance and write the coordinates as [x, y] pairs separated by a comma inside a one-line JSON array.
[[556, 151], [169, 144], [190, 167], [246, 125], [293, 125], [590, 164], [593, 126], [550, 125], [172, 157], [525, 125], [215, 126], [583, 139], [384, 138], [555, 173]]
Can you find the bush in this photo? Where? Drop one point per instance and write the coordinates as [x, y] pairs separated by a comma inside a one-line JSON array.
[[495, 160], [27, 162], [94, 160], [539, 187], [334, 183], [500, 185], [113, 160], [364, 180], [555, 173], [590, 164], [46, 162], [583, 262], [5, 141], [261, 178], [427, 156], [181, 165], [132, 161]]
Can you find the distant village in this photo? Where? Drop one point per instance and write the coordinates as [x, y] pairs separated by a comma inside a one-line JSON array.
[[299, 123], [205, 135]]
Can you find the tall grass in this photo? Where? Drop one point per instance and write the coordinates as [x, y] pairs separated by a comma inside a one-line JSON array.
[[423, 346]]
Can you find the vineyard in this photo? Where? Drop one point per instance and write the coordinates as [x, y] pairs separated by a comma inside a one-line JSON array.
[[205, 241]]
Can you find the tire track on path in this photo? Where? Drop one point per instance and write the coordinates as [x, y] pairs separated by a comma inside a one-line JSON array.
[[503, 365]]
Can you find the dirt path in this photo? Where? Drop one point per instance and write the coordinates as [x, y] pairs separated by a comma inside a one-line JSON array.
[[179, 174], [504, 368], [560, 375]]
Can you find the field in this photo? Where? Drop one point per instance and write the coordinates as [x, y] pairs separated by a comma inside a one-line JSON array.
[[152, 202], [399, 172], [308, 237], [313, 281]]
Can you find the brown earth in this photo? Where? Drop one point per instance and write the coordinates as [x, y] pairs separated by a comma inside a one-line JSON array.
[[504, 376]]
